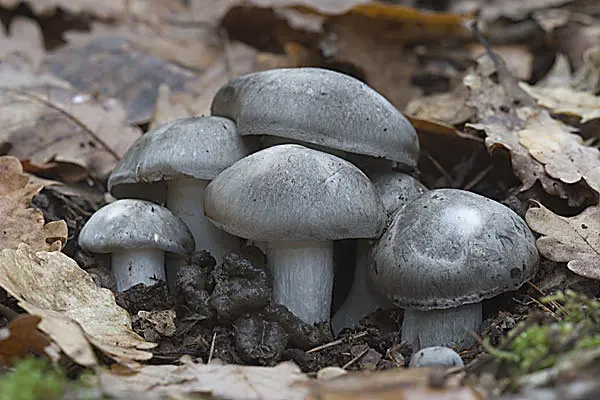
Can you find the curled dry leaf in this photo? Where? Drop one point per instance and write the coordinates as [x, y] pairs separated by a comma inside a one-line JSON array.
[[397, 383], [562, 152], [574, 240], [212, 380], [21, 337], [74, 311], [49, 123], [566, 100], [20, 223]]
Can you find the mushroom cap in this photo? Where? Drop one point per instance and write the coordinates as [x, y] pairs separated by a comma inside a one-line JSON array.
[[396, 189], [290, 192], [318, 106], [135, 224], [436, 356], [199, 147], [451, 247]]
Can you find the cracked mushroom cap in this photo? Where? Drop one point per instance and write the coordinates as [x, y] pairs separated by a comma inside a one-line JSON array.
[[321, 107], [135, 224], [199, 147], [290, 192], [451, 247]]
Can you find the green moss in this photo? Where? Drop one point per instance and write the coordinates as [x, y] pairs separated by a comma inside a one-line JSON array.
[[32, 379], [538, 343]]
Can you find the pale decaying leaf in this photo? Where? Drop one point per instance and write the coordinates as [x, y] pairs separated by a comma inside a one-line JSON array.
[[109, 8], [212, 380], [562, 152], [51, 123], [497, 116], [575, 240], [74, 311], [566, 100], [24, 42], [20, 223]]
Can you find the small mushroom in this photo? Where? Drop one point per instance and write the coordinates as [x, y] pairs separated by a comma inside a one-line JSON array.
[[298, 200], [314, 106], [136, 233], [395, 189], [180, 158], [436, 356], [445, 252]]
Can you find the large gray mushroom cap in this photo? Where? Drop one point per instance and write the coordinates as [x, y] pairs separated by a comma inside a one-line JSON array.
[[135, 224], [290, 192], [451, 247], [199, 147], [396, 189], [321, 107]]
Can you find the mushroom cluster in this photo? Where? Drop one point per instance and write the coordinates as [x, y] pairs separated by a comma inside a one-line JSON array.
[[336, 163]]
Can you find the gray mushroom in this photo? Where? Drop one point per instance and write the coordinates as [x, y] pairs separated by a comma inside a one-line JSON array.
[[395, 189], [180, 158], [319, 107], [136, 233], [444, 253], [436, 356], [298, 200]]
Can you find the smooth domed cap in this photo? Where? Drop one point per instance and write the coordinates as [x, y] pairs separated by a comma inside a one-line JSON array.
[[396, 189], [451, 247], [135, 224], [436, 356], [199, 147], [290, 192], [318, 106]]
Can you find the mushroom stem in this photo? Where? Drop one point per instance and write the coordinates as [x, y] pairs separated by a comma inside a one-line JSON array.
[[185, 197], [134, 266], [302, 277], [451, 327], [361, 301]]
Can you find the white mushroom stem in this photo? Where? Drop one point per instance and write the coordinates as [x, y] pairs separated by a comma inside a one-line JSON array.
[[451, 327], [302, 277], [131, 267], [361, 300], [185, 197]]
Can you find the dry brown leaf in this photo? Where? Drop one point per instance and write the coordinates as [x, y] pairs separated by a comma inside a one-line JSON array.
[[74, 311], [518, 58], [575, 240], [565, 100], [48, 122], [494, 94], [559, 75], [212, 380], [448, 108], [24, 43], [20, 223], [20, 338], [562, 152], [398, 383]]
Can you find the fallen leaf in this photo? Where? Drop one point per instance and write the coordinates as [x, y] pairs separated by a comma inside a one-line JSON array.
[[20, 223], [46, 121], [162, 321], [211, 380], [559, 74], [24, 42], [75, 312], [516, 10], [575, 240], [20, 338], [587, 77], [518, 58], [562, 152], [103, 9], [448, 108], [496, 96], [397, 383], [565, 100]]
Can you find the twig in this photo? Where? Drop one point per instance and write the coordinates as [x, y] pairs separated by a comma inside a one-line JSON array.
[[336, 342], [355, 359], [478, 177], [439, 167], [8, 313], [212, 347]]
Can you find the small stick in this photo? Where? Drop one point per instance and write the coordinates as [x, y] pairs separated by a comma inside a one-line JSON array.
[[439, 167], [336, 342], [355, 359], [212, 348], [478, 177]]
